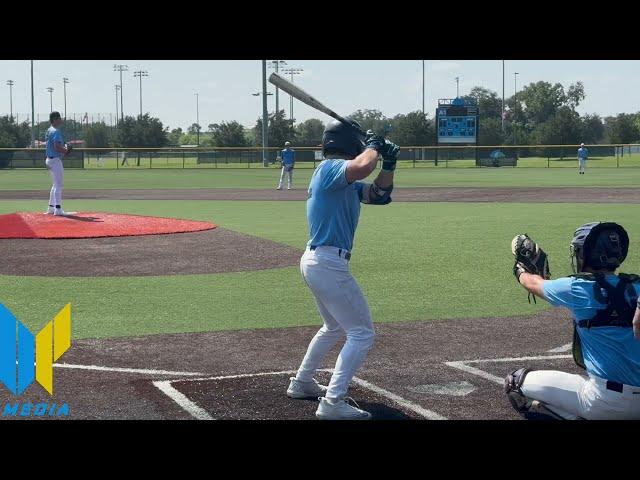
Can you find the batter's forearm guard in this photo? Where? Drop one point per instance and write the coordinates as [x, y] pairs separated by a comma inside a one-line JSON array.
[[372, 194]]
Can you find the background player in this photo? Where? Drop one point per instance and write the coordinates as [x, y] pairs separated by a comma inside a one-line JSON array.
[[56, 149], [583, 154], [333, 208], [288, 158], [605, 313]]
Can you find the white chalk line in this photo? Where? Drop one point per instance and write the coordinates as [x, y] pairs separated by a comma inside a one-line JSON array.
[[143, 371], [563, 348], [181, 399], [191, 407], [414, 407], [465, 367]]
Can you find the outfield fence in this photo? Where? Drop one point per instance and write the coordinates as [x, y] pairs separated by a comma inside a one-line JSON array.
[[518, 156]]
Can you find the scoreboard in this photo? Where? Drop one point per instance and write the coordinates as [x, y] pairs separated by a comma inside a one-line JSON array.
[[457, 121]]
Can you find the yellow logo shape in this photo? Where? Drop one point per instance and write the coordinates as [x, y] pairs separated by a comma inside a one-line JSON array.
[[51, 342]]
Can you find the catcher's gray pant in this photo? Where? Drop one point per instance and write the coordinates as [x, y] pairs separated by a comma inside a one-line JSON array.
[[344, 311], [574, 396], [289, 177], [54, 165]]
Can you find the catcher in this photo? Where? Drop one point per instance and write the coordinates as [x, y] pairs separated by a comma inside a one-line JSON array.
[[606, 339]]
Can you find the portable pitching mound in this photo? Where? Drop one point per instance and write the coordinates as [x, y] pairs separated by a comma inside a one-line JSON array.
[[93, 225], [98, 244]]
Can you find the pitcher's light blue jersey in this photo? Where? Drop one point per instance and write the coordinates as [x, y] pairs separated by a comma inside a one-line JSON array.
[[333, 206], [611, 353], [53, 136]]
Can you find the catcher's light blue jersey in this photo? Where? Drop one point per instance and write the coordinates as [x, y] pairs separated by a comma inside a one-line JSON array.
[[583, 152], [53, 136], [333, 206], [288, 156], [611, 353]]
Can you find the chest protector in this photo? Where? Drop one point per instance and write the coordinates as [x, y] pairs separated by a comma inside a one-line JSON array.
[[620, 307]]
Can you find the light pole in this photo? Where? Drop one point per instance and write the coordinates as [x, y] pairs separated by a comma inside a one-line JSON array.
[[265, 116], [457, 87], [121, 68], [292, 72], [65, 80], [422, 87], [50, 90], [515, 98], [275, 64], [10, 83], [117, 88], [503, 97], [33, 112], [140, 74], [198, 117]]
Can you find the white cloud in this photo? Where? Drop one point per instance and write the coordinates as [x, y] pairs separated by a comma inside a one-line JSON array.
[[445, 66], [209, 84]]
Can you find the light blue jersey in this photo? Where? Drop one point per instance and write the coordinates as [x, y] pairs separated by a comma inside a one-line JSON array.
[[333, 206], [52, 137], [583, 153], [288, 156], [611, 353]]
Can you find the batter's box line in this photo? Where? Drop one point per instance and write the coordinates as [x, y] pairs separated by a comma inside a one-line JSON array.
[[189, 406], [464, 366]]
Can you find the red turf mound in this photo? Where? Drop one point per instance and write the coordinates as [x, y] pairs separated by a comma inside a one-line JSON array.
[[92, 224]]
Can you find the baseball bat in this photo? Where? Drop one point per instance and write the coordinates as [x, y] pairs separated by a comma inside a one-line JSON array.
[[304, 97]]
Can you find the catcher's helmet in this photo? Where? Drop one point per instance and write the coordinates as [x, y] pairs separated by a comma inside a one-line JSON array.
[[599, 245], [342, 139]]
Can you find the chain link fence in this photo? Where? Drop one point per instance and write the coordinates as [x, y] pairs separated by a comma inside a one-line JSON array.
[[521, 156]]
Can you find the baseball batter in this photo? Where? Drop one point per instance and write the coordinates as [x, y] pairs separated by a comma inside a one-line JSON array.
[[606, 313], [333, 208], [288, 156], [583, 154], [56, 149]]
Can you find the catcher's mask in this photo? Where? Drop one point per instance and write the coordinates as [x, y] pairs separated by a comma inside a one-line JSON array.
[[342, 139], [598, 245]]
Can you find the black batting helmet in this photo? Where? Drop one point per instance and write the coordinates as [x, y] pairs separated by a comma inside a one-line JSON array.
[[341, 139], [599, 245]]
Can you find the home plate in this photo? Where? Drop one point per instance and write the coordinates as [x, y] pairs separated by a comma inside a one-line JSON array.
[[454, 389]]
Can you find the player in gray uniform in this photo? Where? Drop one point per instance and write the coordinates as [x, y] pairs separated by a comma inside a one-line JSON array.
[[333, 209]]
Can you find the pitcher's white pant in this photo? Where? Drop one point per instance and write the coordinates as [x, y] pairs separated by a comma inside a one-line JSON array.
[[572, 396], [57, 172], [344, 310], [582, 163], [289, 177]]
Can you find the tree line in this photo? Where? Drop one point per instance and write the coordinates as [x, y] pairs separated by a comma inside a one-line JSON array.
[[540, 114]]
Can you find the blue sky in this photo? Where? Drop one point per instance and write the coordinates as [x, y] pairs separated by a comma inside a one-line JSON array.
[[225, 86]]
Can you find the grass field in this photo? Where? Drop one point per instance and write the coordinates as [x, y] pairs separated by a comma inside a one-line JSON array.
[[415, 261], [21, 179]]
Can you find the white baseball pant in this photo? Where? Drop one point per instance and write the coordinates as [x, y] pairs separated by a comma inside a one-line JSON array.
[[582, 163], [289, 177], [344, 311], [572, 396], [57, 172]]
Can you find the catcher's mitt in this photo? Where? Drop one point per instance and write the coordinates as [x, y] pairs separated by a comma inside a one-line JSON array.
[[529, 256]]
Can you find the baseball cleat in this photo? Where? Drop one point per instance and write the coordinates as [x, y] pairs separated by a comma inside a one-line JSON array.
[[278, 188], [61, 213], [298, 389], [288, 188], [50, 211], [340, 410]]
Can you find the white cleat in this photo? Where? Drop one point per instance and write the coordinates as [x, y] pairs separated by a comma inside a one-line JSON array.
[[340, 410], [278, 188], [288, 188], [61, 213], [50, 211], [298, 389]]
